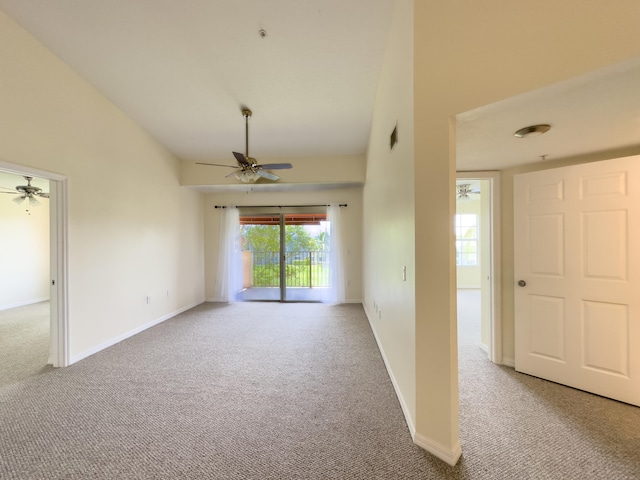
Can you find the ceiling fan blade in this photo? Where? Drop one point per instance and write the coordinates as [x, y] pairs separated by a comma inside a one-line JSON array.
[[11, 193], [275, 166], [241, 159], [216, 165], [43, 195], [267, 175]]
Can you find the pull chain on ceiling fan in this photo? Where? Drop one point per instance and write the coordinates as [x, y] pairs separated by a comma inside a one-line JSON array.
[[248, 169]]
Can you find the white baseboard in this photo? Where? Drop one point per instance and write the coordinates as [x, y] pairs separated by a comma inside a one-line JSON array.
[[508, 362], [403, 403], [451, 456], [349, 300], [24, 303], [130, 333]]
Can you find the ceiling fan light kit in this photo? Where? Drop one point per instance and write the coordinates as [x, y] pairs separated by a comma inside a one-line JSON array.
[[248, 169], [246, 176]]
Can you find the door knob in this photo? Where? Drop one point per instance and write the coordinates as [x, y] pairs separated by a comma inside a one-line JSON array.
[[522, 283]]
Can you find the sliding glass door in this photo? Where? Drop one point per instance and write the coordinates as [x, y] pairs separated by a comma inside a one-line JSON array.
[[306, 257], [260, 237], [285, 257]]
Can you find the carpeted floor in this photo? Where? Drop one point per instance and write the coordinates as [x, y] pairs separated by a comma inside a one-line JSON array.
[[24, 342], [293, 391]]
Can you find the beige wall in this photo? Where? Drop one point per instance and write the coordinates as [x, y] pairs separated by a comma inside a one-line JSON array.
[[352, 236], [133, 231], [465, 55], [389, 214], [24, 248]]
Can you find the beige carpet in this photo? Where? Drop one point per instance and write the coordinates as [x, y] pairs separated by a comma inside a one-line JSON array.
[[292, 391], [24, 342]]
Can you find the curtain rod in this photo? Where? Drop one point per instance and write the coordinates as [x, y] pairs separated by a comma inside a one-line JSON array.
[[278, 206]]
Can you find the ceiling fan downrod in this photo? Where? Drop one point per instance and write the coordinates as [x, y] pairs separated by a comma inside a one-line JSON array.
[[246, 113]]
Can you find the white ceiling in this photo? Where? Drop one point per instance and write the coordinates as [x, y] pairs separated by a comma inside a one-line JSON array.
[[183, 70], [593, 113]]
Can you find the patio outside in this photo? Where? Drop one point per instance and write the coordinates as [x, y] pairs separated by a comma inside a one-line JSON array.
[[305, 263]]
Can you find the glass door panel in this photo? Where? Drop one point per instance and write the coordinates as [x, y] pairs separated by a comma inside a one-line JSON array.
[[261, 258], [285, 257], [306, 256]]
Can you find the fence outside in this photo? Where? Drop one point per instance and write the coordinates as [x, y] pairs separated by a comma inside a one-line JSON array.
[[303, 269]]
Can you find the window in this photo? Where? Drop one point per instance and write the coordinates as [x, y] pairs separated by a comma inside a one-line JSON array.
[[466, 226]]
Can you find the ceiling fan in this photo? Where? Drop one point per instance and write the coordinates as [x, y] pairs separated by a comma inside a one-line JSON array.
[[464, 191], [248, 169], [27, 191]]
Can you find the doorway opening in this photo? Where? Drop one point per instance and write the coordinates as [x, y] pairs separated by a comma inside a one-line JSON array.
[[285, 257], [56, 277], [477, 259]]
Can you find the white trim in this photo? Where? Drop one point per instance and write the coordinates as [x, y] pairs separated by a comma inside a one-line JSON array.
[[495, 338], [24, 303], [130, 333], [223, 301], [403, 403], [508, 362], [33, 172], [451, 456], [60, 345], [58, 221]]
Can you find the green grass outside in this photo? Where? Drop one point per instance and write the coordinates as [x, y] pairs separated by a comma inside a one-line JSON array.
[[297, 275]]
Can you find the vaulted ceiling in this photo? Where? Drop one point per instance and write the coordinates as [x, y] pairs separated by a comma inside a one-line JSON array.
[[308, 69]]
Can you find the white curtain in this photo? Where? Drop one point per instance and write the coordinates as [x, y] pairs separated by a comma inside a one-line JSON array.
[[336, 292], [229, 276]]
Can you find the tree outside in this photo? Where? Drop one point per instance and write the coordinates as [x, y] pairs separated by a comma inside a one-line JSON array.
[[306, 258], [266, 238]]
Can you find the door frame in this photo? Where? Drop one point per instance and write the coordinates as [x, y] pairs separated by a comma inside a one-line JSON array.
[[495, 269], [58, 259], [282, 257]]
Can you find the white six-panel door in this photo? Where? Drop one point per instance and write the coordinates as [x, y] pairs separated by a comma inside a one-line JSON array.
[[577, 245]]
